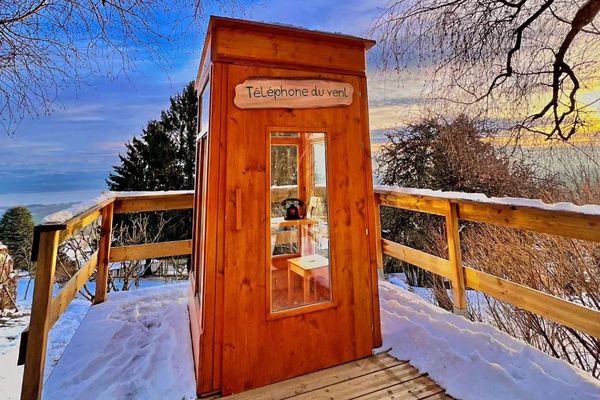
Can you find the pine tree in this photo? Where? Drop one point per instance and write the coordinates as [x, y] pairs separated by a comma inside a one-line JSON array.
[[16, 232], [182, 121], [163, 157], [131, 174]]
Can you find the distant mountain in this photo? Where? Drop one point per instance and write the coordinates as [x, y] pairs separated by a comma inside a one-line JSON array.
[[39, 211]]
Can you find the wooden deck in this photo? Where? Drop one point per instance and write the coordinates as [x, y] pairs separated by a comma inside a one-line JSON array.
[[378, 377]]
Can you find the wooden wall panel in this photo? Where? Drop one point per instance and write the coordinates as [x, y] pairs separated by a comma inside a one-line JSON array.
[[212, 298], [242, 46], [195, 330], [373, 217], [257, 350]]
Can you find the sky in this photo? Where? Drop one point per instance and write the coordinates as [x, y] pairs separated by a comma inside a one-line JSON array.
[[68, 155]]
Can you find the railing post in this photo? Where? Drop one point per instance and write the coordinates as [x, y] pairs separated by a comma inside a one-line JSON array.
[[455, 258], [103, 253], [37, 340]]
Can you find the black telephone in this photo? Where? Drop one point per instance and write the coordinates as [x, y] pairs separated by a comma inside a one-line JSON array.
[[294, 208]]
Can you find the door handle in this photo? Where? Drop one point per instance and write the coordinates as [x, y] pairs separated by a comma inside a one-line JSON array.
[[238, 209]]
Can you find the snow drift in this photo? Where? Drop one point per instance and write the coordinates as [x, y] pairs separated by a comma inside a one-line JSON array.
[[474, 360], [136, 345]]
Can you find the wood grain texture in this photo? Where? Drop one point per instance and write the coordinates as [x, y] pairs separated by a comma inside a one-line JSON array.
[[252, 47], [552, 222], [39, 324], [211, 300], [376, 377], [320, 379], [420, 388], [235, 260], [457, 277], [79, 222], [556, 309], [422, 204], [150, 250], [258, 93], [418, 258], [373, 216], [69, 290], [217, 22], [104, 253], [158, 202], [560, 223], [249, 345]]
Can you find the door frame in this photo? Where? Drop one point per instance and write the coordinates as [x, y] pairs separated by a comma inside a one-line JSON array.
[[309, 308]]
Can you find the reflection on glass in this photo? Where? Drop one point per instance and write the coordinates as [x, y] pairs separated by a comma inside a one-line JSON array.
[[299, 229], [205, 108]]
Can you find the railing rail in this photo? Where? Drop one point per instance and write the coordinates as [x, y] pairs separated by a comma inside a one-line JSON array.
[[46, 310], [562, 220]]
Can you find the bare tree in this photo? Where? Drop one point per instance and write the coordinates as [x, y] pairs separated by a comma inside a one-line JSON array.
[[75, 253], [530, 59], [48, 45], [135, 230], [565, 268], [125, 275]]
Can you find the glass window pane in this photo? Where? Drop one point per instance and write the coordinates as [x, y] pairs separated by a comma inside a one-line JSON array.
[[205, 108], [284, 176], [299, 264]]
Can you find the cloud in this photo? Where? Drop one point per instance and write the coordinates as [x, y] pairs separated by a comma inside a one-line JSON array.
[[82, 113], [76, 147], [352, 17], [114, 147], [395, 99], [385, 117]]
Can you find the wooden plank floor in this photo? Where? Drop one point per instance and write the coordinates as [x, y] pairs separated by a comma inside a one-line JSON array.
[[378, 377]]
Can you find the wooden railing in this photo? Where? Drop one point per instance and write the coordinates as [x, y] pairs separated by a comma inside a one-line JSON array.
[[521, 214], [46, 309], [533, 217]]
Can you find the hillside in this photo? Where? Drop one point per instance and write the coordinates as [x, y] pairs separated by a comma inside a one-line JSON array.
[[39, 211]]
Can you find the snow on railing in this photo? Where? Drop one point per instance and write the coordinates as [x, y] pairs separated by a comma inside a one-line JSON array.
[[588, 209], [562, 219], [62, 216], [60, 226]]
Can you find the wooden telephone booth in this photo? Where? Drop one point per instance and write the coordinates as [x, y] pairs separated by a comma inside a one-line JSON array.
[[285, 269]]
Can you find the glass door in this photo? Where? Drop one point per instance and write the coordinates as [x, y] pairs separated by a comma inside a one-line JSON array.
[[299, 262], [199, 230]]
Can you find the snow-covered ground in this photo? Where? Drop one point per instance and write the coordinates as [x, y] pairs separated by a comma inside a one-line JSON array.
[[474, 360], [136, 345], [12, 325]]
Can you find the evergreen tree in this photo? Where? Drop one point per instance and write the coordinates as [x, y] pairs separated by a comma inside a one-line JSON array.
[[163, 157], [16, 232], [131, 174], [181, 119]]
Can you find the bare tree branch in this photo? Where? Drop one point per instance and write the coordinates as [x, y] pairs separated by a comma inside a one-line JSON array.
[[529, 59], [47, 46]]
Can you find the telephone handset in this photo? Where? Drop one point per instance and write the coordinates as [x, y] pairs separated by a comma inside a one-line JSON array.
[[294, 208]]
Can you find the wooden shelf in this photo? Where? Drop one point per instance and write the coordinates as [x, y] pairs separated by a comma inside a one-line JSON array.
[[280, 222]]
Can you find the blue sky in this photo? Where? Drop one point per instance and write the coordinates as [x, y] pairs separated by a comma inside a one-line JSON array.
[[66, 156]]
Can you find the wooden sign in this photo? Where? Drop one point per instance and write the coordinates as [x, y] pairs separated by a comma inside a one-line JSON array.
[[292, 93]]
